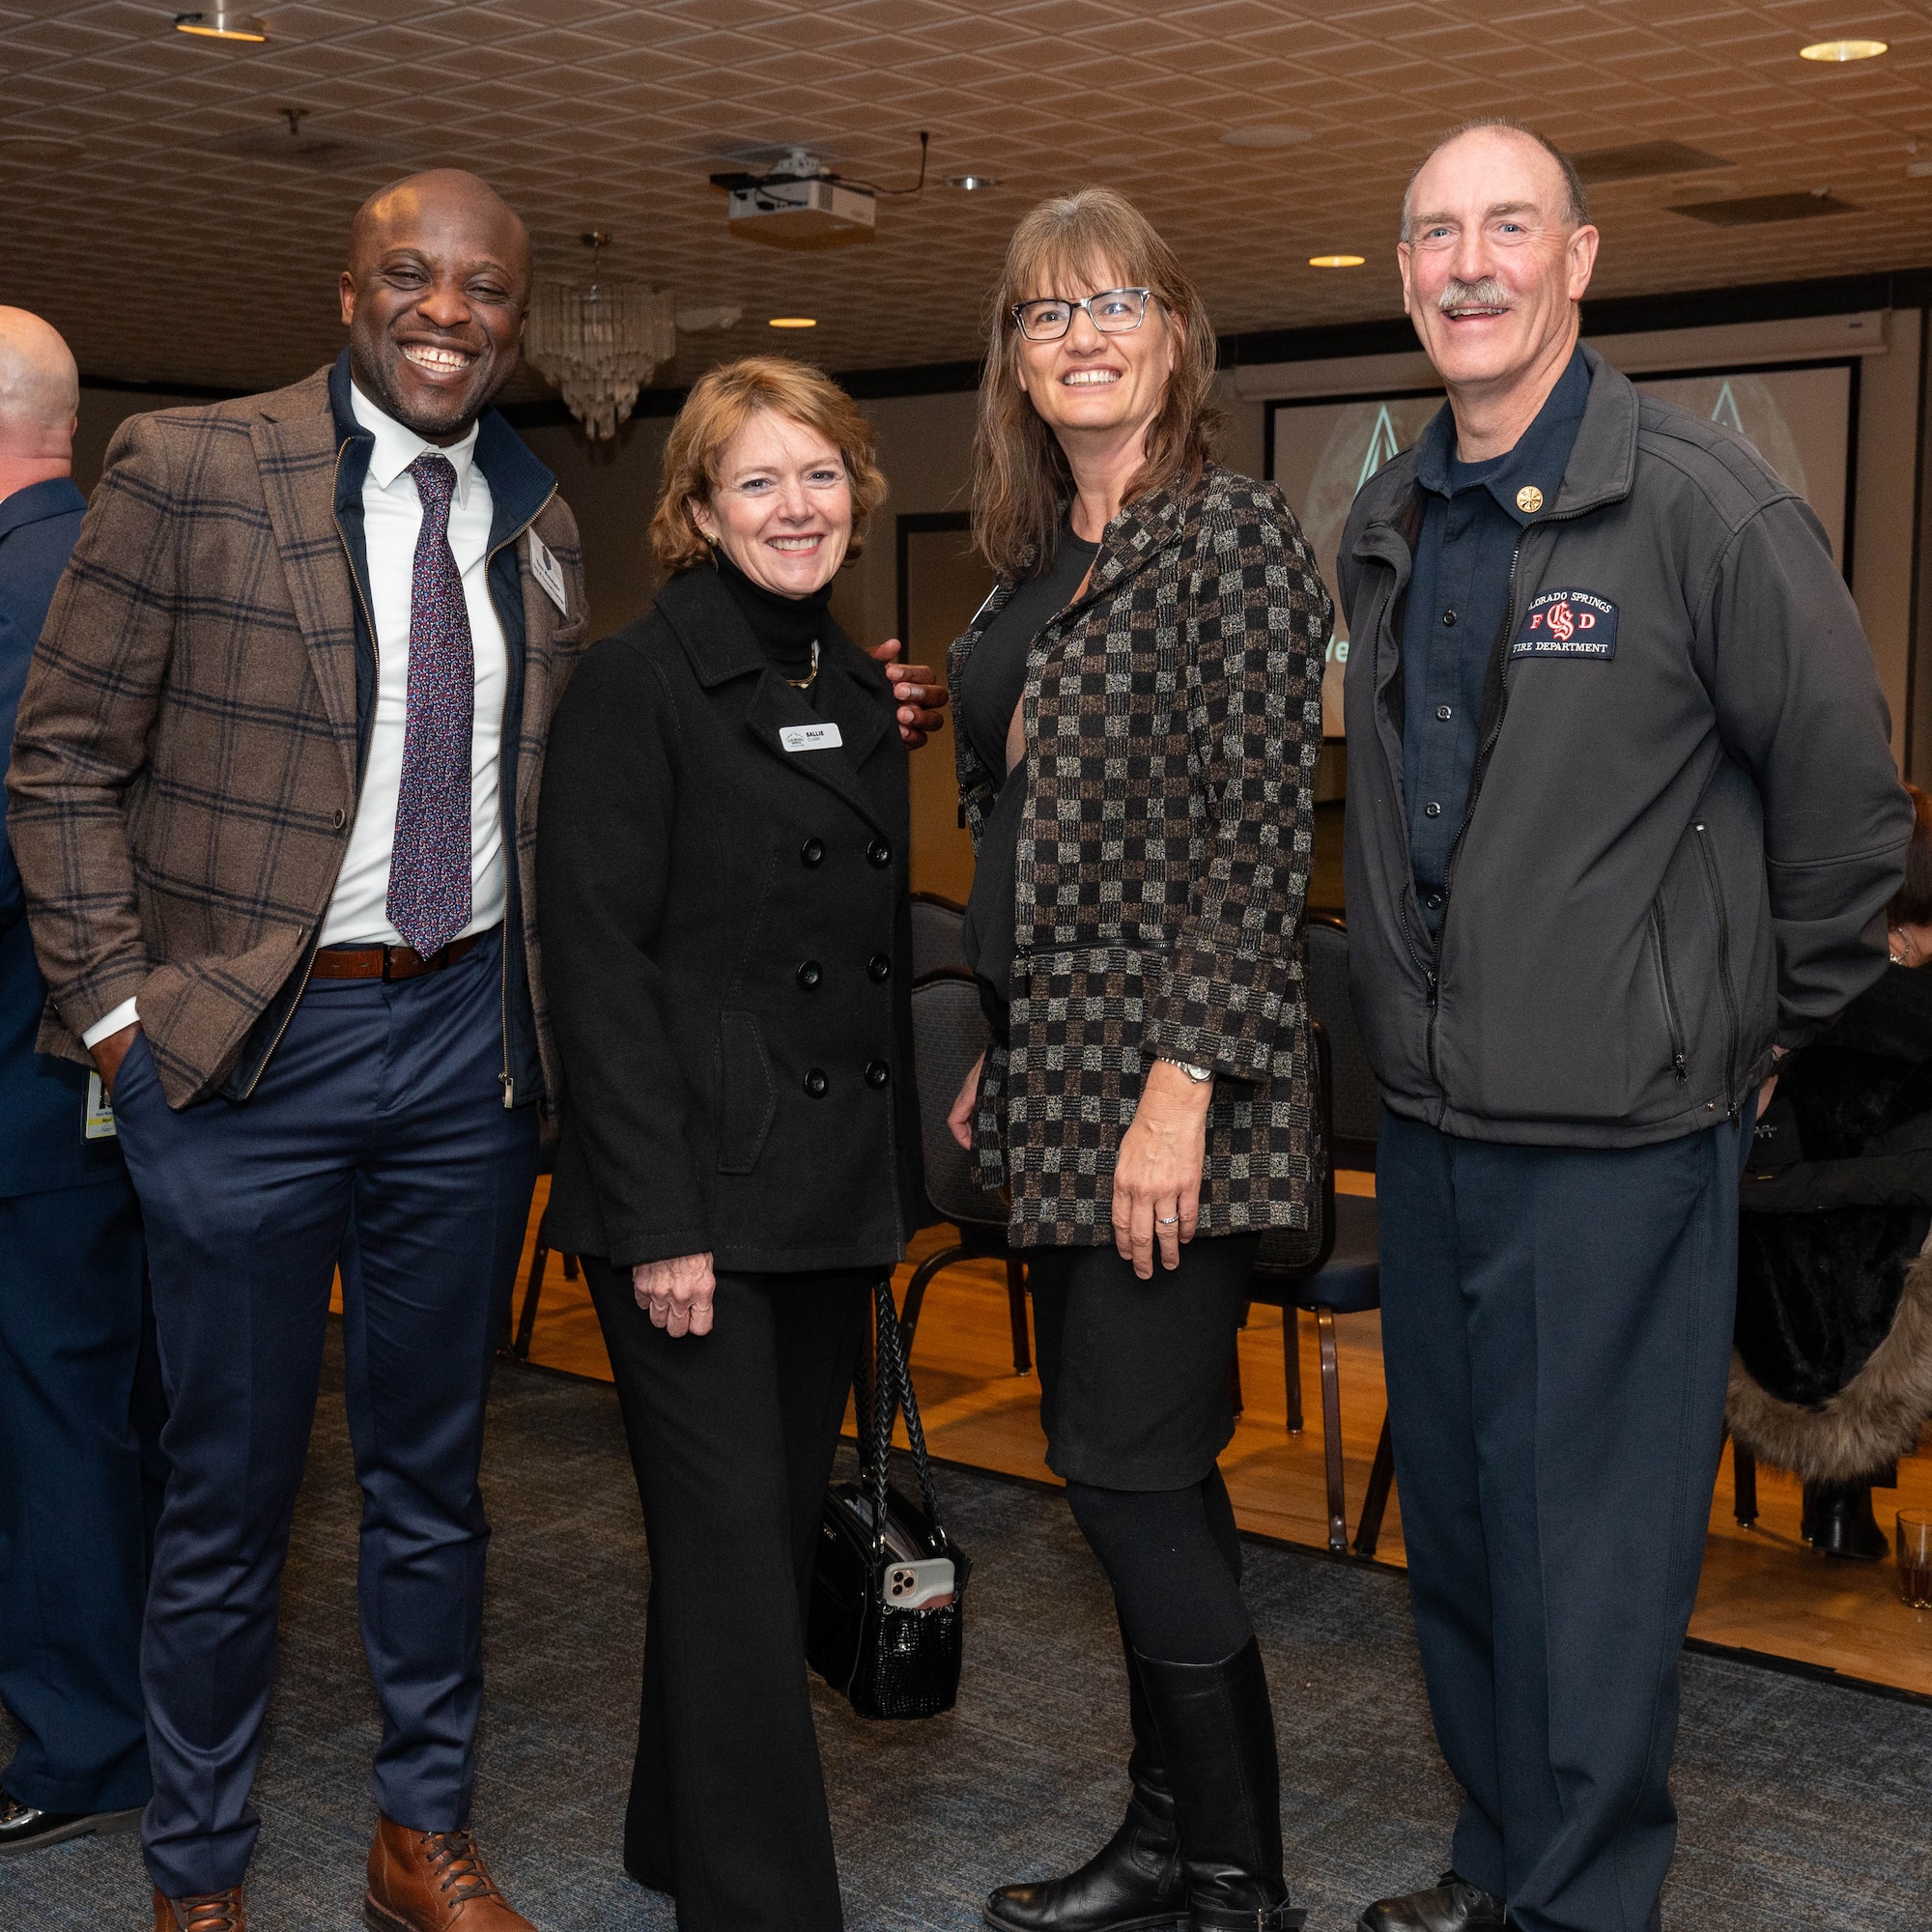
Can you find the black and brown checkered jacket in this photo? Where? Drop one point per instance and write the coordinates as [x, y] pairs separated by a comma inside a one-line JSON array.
[[1173, 714], [186, 766]]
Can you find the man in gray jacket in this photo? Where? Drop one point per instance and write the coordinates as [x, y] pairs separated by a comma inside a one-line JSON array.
[[1622, 825]]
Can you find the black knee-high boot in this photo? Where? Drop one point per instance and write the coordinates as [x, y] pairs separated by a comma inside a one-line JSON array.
[[1216, 1730], [1134, 1883]]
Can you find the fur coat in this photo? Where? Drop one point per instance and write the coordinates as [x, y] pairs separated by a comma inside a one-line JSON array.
[[1832, 1373]]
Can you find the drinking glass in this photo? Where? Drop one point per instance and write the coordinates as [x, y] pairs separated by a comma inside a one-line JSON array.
[[1915, 1558]]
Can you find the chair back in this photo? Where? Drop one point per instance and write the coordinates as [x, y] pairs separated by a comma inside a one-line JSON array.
[[1355, 1104], [949, 1033], [938, 936]]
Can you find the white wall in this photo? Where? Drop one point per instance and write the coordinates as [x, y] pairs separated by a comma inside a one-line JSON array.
[[1883, 507]]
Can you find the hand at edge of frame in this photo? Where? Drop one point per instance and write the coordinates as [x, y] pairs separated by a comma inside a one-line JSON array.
[[109, 1053], [919, 694]]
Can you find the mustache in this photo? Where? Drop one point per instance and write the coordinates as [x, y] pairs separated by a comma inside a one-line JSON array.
[[1488, 292]]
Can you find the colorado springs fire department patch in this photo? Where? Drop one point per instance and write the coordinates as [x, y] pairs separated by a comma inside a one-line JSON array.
[[1567, 624]]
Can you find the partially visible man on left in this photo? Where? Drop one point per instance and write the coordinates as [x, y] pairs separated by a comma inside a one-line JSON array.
[[274, 792], [79, 1391]]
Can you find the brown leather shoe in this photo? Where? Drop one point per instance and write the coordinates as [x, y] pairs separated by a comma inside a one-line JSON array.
[[205, 1911], [433, 1882]]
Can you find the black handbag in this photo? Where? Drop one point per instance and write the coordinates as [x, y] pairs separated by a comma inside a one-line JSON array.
[[883, 1628]]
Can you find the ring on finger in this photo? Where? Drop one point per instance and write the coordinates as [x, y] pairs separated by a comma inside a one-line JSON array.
[[1165, 1220]]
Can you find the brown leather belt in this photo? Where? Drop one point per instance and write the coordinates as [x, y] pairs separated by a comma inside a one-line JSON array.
[[388, 962]]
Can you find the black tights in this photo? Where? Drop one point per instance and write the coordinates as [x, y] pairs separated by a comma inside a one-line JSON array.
[[1175, 1561]]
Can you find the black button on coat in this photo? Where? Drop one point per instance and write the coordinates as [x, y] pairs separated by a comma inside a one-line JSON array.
[[713, 908]]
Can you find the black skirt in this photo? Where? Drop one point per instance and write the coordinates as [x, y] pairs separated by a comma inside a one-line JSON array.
[[1133, 1375]]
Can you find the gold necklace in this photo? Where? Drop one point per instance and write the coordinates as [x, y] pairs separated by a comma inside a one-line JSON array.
[[810, 677]]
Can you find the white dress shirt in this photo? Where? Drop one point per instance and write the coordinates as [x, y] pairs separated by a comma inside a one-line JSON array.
[[391, 519]]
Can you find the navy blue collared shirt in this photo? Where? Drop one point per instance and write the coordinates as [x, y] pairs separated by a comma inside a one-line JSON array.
[[1473, 515]]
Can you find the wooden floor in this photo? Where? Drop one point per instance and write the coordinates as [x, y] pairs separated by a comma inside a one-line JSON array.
[[1763, 1589]]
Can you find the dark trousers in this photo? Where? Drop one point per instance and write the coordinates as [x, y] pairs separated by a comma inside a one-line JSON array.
[[732, 1435], [81, 1476], [377, 1142], [1556, 1328]]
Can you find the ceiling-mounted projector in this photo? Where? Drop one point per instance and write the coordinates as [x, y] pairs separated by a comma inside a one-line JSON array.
[[801, 203]]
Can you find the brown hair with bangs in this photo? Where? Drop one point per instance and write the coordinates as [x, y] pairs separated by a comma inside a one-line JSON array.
[[1021, 483], [1912, 903], [720, 402]]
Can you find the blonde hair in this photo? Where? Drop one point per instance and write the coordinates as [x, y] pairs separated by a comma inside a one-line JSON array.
[[720, 402], [1021, 483]]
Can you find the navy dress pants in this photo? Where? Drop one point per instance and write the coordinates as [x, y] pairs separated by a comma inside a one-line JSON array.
[[1556, 1329], [80, 1412], [377, 1142]]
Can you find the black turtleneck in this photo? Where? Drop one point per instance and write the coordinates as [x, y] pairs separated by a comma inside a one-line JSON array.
[[785, 627]]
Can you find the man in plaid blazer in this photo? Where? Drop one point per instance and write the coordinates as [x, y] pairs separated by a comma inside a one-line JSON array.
[[274, 792]]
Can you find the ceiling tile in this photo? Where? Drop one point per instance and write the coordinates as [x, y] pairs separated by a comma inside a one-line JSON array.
[[596, 110]]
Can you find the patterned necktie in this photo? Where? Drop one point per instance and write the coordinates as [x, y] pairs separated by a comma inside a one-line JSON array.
[[429, 862]]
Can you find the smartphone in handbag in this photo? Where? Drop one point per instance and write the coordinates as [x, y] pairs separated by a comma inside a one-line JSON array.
[[922, 1585], [884, 1623]]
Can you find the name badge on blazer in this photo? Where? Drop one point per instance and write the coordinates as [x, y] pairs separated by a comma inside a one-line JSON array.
[[549, 574], [1567, 624], [808, 737]]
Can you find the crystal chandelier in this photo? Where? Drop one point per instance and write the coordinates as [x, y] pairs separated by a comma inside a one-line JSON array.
[[599, 344]]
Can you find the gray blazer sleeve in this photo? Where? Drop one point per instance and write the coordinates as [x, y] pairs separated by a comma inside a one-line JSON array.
[[1799, 707]]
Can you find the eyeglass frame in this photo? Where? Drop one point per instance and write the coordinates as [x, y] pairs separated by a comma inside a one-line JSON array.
[[1082, 303]]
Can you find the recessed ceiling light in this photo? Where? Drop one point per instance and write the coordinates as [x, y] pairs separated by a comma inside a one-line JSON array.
[[1842, 50], [223, 25], [1336, 261], [793, 321], [971, 182], [1275, 136]]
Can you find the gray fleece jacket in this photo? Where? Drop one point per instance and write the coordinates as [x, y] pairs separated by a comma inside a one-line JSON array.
[[1685, 821]]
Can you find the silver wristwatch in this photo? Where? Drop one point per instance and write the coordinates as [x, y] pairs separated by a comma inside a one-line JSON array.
[[1200, 1075]]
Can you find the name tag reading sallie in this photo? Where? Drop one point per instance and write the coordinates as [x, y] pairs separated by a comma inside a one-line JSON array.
[[809, 737], [1567, 624]]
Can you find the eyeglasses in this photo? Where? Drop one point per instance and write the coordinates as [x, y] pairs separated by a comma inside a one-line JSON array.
[[1113, 312]]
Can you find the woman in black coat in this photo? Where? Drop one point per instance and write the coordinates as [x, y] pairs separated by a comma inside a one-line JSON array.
[[1833, 1372], [726, 938]]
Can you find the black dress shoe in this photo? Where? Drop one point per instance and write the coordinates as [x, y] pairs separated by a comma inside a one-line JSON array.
[[1450, 1905], [22, 1828]]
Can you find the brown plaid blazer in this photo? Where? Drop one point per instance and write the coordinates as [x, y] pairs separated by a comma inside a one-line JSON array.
[[1174, 711], [184, 765]]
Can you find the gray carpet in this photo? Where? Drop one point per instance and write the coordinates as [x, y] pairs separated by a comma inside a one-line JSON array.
[[1804, 1805]]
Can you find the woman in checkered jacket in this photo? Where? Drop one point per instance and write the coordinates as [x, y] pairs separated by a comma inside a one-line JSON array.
[[1139, 709]]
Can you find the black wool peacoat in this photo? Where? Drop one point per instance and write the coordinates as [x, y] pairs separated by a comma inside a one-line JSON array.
[[726, 935]]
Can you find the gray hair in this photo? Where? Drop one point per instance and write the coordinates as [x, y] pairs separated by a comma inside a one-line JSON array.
[[1575, 197]]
